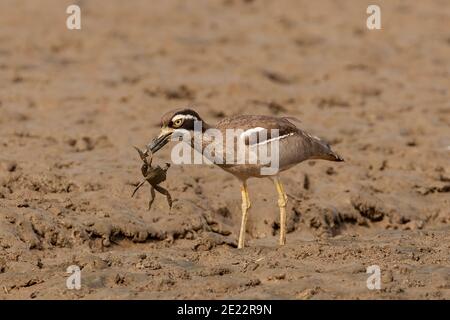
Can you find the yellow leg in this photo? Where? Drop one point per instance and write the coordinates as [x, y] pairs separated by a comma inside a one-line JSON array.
[[245, 207], [282, 200]]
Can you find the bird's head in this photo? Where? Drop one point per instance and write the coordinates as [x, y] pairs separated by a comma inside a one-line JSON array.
[[179, 119]]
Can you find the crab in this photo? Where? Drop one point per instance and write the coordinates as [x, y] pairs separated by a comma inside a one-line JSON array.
[[154, 176]]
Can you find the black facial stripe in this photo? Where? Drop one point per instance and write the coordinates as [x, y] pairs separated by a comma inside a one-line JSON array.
[[188, 124]]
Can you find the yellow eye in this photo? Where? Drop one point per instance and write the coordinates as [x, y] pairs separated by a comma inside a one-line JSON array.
[[177, 123]]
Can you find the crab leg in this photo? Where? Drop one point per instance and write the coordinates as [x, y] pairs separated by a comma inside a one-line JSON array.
[[166, 193], [138, 187], [152, 193]]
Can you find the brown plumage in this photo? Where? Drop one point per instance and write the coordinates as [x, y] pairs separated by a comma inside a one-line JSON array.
[[294, 146], [297, 146]]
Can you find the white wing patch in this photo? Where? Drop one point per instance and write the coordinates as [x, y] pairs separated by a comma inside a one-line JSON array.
[[255, 136], [248, 133], [275, 139]]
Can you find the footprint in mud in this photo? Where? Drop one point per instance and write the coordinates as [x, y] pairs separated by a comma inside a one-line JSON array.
[[210, 240], [277, 77], [332, 102], [181, 92], [84, 144]]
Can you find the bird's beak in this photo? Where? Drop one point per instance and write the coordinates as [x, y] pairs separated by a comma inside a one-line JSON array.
[[161, 140]]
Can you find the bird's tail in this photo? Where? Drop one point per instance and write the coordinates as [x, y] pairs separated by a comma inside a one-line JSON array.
[[332, 156], [322, 150], [319, 149]]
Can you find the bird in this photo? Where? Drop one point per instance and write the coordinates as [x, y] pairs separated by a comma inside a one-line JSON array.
[[294, 146]]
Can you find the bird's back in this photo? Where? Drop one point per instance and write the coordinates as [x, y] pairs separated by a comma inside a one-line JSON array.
[[311, 147]]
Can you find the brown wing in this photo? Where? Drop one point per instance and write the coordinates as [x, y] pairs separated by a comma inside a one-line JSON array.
[[312, 146], [248, 122]]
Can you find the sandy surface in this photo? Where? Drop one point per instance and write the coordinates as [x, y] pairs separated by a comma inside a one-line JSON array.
[[72, 103]]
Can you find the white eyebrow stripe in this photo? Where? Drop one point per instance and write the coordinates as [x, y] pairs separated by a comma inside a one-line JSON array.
[[184, 116]]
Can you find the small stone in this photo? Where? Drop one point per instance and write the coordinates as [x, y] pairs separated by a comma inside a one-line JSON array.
[[106, 242], [11, 167], [308, 293], [280, 276], [359, 268], [387, 276], [253, 282], [119, 279]]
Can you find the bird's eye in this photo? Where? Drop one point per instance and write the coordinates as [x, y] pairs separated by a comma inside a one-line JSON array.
[[177, 123]]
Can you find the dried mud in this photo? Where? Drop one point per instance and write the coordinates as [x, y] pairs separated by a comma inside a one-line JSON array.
[[73, 103]]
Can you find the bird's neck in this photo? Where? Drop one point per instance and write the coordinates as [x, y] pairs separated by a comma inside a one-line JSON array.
[[202, 138]]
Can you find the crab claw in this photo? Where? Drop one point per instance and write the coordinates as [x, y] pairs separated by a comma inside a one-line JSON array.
[[142, 154], [166, 166]]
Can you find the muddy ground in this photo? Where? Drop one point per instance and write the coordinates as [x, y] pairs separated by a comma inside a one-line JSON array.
[[72, 104]]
